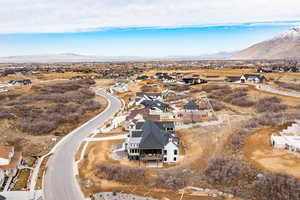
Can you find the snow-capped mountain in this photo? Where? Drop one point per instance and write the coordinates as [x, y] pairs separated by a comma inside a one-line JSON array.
[[284, 45]]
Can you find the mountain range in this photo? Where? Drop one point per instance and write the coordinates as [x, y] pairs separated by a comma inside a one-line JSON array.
[[282, 46], [72, 57]]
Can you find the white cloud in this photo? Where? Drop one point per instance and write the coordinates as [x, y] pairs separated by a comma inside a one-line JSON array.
[[46, 16]]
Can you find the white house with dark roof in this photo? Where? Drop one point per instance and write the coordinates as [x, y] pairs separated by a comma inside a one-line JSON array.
[[252, 78], [153, 142]]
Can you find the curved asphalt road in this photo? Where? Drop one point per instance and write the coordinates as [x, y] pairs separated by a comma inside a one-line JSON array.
[[59, 181]]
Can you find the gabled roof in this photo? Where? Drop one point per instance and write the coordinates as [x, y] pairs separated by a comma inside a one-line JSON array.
[[137, 133], [155, 104], [5, 151], [165, 124], [254, 76], [153, 137], [145, 112], [191, 106], [139, 125]]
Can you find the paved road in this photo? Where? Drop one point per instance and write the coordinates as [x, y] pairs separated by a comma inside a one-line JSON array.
[[116, 137], [59, 181], [268, 88]]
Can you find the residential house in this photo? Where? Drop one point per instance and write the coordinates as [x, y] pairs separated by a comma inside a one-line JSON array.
[[9, 162], [264, 70], [288, 138], [252, 78], [141, 96], [193, 81], [153, 142], [156, 105], [291, 143], [190, 106], [142, 78], [137, 115], [19, 82], [160, 74], [232, 79]]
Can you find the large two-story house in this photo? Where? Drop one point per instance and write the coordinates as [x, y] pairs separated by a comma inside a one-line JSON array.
[[252, 78], [152, 141], [9, 162]]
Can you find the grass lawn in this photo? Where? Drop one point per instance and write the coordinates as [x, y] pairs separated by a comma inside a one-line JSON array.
[[22, 179]]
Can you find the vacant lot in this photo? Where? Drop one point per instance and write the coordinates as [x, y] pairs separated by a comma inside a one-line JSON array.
[[259, 151], [34, 117]]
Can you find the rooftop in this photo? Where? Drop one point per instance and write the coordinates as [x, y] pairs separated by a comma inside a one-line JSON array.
[[5, 150]]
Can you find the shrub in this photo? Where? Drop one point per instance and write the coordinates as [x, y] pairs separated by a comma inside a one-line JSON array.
[[243, 102], [36, 127], [220, 93], [237, 141], [121, 174], [91, 105], [217, 105], [272, 104], [225, 171], [276, 187], [291, 86], [235, 95], [209, 88], [172, 181]]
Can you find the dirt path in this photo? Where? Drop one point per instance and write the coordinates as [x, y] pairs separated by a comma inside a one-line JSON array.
[[260, 152]]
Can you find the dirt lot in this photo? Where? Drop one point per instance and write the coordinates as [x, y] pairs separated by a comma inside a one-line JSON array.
[[259, 151]]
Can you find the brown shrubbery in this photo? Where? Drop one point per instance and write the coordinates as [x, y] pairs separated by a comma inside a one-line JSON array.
[[225, 171], [291, 86], [234, 95], [237, 97], [272, 104], [122, 174], [237, 141], [171, 180], [209, 88], [276, 187], [60, 103], [217, 105], [243, 102]]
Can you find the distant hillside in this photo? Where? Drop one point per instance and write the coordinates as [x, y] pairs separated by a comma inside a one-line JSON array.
[[71, 57], [214, 56], [64, 57], [285, 45]]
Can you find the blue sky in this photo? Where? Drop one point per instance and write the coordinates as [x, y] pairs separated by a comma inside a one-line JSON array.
[[142, 41], [116, 27]]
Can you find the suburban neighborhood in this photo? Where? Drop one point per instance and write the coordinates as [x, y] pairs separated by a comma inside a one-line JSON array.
[[150, 100]]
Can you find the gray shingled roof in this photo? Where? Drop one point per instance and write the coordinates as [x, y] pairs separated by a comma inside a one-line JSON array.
[[137, 133], [155, 104], [260, 77], [164, 125], [153, 137], [191, 106]]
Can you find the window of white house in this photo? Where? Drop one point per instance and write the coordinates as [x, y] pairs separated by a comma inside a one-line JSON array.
[[165, 159], [175, 152], [174, 158], [165, 152]]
